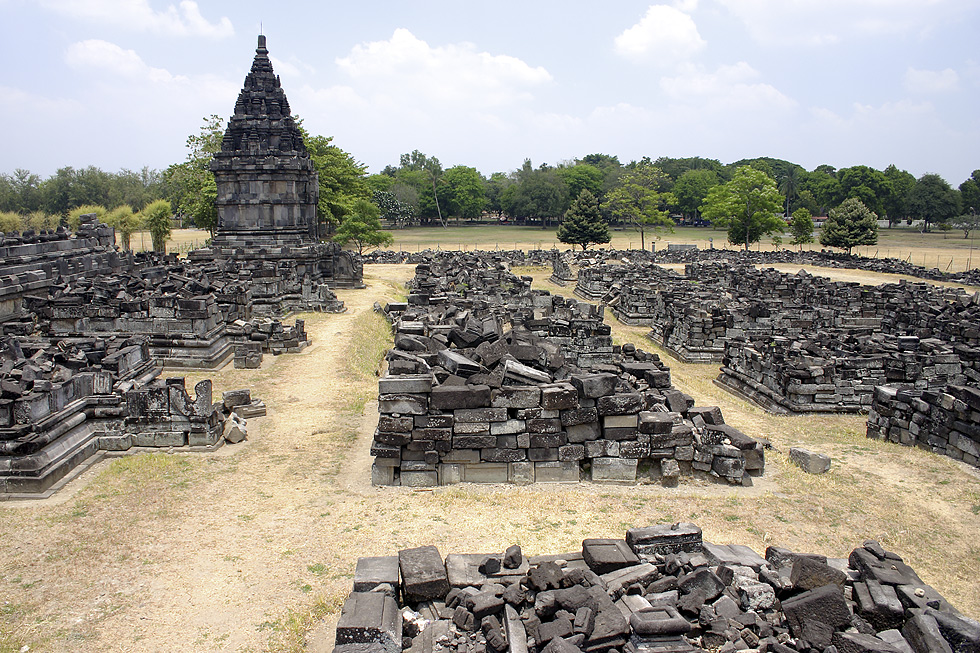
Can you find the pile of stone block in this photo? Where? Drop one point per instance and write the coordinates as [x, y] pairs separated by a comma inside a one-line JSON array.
[[944, 420], [661, 589], [833, 371], [543, 397]]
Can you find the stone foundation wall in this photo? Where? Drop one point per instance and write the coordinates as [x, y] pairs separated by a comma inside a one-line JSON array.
[[945, 420]]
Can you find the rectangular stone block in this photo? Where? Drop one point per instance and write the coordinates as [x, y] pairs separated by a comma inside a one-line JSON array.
[[382, 474], [541, 425], [474, 441], [486, 472], [373, 571], [423, 574], [619, 421], [665, 539], [515, 396], [620, 404], [371, 618], [403, 404], [583, 432], [419, 479], [433, 421], [480, 415], [576, 416], [508, 427], [614, 470], [453, 397], [391, 424], [471, 428], [545, 440], [405, 383], [557, 472], [450, 473], [520, 473], [559, 396], [502, 455], [655, 422]]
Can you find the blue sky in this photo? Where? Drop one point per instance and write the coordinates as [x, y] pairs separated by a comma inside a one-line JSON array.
[[122, 83]]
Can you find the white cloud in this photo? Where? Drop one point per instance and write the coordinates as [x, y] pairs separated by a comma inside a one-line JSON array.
[[184, 19], [98, 54], [808, 22], [665, 35], [409, 69], [730, 86], [931, 81], [291, 67]]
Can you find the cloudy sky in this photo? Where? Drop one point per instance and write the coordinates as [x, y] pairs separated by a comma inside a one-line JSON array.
[[122, 83]]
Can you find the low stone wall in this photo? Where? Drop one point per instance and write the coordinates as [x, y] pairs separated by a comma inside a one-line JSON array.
[[833, 371], [944, 420], [59, 410], [659, 589]]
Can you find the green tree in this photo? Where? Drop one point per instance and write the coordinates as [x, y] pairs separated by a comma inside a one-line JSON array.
[[748, 205], [898, 185], [125, 222], [638, 199], [932, 200], [582, 176], [825, 187], [363, 228], [966, 223], [156, 218], [790, 183], [692, 187], [849, 225], [342, 179], [970, 192], [190, 185], [866, 184], [495, 188], [462, 192], [801, 227], [535, 195], [392, 209], [583, 224]]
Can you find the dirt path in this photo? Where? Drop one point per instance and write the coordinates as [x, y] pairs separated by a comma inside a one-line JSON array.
[[248, 548]]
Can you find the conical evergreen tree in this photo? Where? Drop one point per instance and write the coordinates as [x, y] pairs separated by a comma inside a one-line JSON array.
[[849, 225], [583, 224]]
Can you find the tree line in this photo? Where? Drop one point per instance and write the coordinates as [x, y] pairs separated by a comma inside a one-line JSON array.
[[645, 194]]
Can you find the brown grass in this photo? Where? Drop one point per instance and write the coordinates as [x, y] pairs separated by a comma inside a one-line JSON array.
[[247, 548]]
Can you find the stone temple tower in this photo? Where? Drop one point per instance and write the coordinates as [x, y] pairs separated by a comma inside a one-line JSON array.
[[267, 186], [267, 198]]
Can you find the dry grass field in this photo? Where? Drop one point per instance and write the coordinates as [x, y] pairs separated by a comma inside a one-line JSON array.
[[253, 548]]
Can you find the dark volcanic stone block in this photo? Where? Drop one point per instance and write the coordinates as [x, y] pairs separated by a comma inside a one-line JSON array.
[[808, 574], [604, 556], [451, 397], [371, 618], [664, 539], [923, 634], [423, 574], [559, 396], [593, 386], [861, 643], [825, 604], [374, 571], [703, 580], [620, 404]]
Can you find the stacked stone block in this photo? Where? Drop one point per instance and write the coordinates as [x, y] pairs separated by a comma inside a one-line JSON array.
[[944, 420]]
